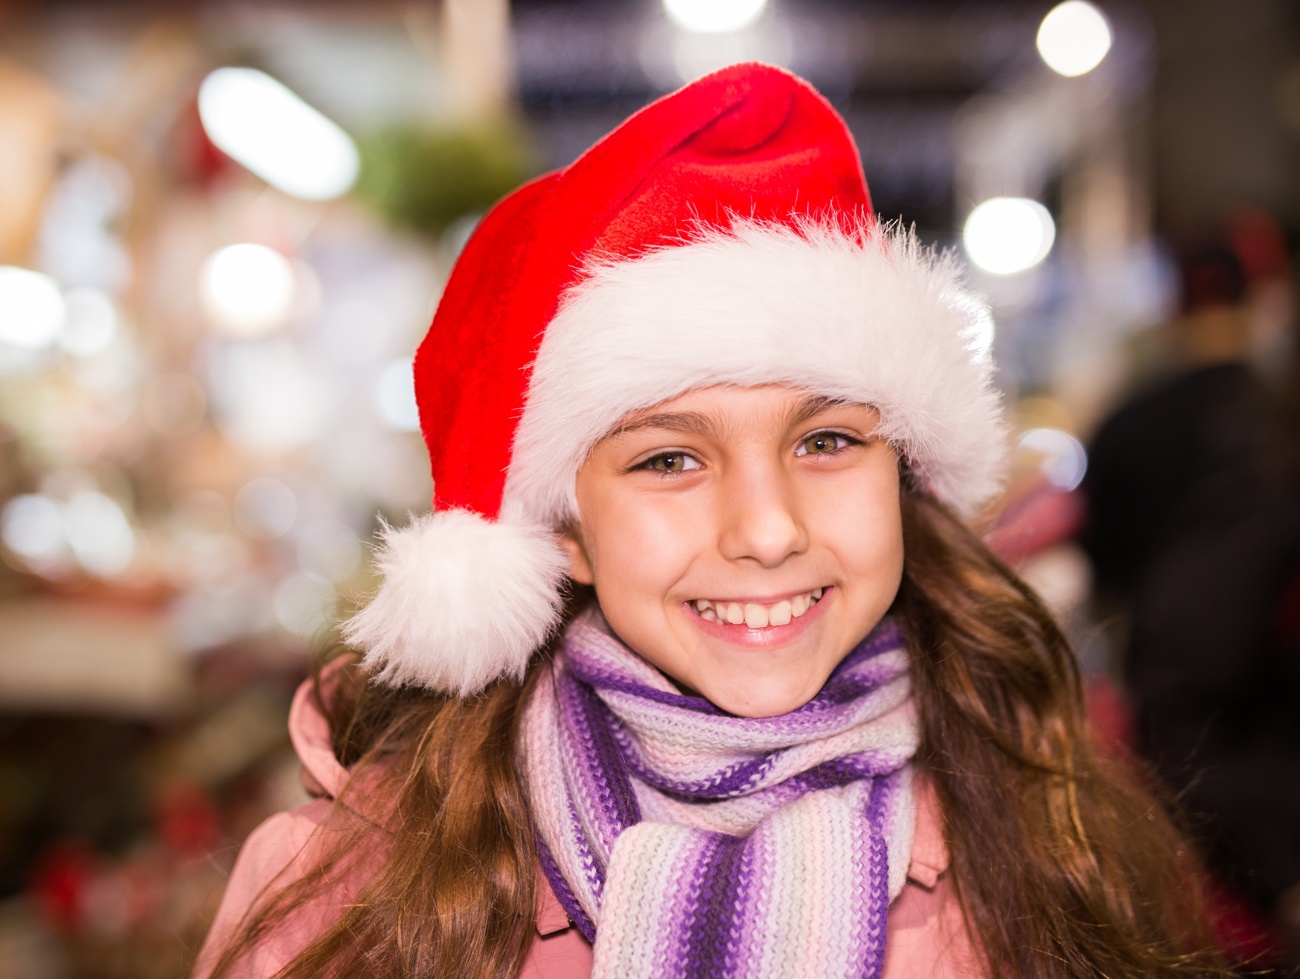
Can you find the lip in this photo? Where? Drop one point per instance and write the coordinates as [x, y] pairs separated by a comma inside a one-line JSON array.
[[766, 638], [764, 599]]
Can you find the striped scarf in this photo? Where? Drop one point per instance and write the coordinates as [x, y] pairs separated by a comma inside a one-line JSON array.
[[684, 841]]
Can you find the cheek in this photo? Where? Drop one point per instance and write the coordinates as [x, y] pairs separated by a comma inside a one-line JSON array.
[[637, 548], [886, 540], [864, 526]]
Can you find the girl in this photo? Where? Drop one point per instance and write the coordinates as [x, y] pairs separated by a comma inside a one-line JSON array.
[[695, 669]]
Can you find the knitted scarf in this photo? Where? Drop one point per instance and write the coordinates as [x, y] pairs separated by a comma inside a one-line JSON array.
[[684, 841]]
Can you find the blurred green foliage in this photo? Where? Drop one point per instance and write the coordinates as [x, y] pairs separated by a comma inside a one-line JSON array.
[[426, 179]]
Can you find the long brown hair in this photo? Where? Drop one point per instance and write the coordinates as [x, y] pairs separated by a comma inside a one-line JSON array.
[[1063, 865]]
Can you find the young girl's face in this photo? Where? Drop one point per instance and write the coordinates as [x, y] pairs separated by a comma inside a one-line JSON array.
[[742, 540]]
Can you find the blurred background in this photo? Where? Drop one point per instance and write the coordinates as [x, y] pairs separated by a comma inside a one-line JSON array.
[[224, 226]]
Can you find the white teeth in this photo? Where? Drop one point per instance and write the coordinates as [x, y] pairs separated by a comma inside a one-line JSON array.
[[757, 616]]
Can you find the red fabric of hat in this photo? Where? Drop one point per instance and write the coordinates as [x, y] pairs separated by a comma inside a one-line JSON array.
[[751, 139]]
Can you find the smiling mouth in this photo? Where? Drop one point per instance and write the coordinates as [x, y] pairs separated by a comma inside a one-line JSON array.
[[756, 616]]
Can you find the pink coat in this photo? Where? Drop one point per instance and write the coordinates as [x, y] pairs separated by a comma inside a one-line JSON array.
[[925, 935]]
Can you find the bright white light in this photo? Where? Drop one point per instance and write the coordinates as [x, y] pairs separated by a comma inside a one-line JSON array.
[[714, 16], [1073, 38], [31, 308], [265, 508], [91, 322], [1062, 458], [32, 527], [247, 289], [1008, 234], [395, 395], [270, 130], [99, 533]]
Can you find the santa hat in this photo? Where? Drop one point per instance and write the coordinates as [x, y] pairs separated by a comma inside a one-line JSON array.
[[721, 235]]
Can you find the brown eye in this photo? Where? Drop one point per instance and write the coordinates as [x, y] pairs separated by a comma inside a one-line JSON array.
[[820, 444], [825, 443], [671, 462]]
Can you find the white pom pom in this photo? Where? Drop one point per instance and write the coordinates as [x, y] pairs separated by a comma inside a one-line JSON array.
[[464, 601]]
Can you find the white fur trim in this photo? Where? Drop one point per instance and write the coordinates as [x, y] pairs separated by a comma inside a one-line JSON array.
[[870, 316], [463, 602]]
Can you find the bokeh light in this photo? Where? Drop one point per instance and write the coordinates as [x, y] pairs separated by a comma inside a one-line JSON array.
[[1005, 235], [80, 237], [1074, 38], [42, 529], [32, 527], [247, 289], [99, 533], [31, 308], [714, 16], [265, 508], [1062, 458], [304, 604], [91, 321], [275, 134]]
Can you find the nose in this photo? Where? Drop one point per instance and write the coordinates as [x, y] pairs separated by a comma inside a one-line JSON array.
[[761, 518]]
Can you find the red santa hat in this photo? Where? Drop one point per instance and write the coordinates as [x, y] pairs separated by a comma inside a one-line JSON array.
[[721, 235]]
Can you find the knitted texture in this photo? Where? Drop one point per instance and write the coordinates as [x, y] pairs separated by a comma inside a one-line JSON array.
[[684, 841]]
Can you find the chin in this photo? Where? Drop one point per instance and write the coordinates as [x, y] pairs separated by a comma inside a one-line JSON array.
[[760, 703]]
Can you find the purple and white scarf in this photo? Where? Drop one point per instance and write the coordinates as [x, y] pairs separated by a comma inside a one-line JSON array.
[[684, 841]]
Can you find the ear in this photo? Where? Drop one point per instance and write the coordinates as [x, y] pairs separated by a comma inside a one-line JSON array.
[[580, 569]]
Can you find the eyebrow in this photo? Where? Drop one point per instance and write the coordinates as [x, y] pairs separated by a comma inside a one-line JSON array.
[[813, 405], [701, 423]]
